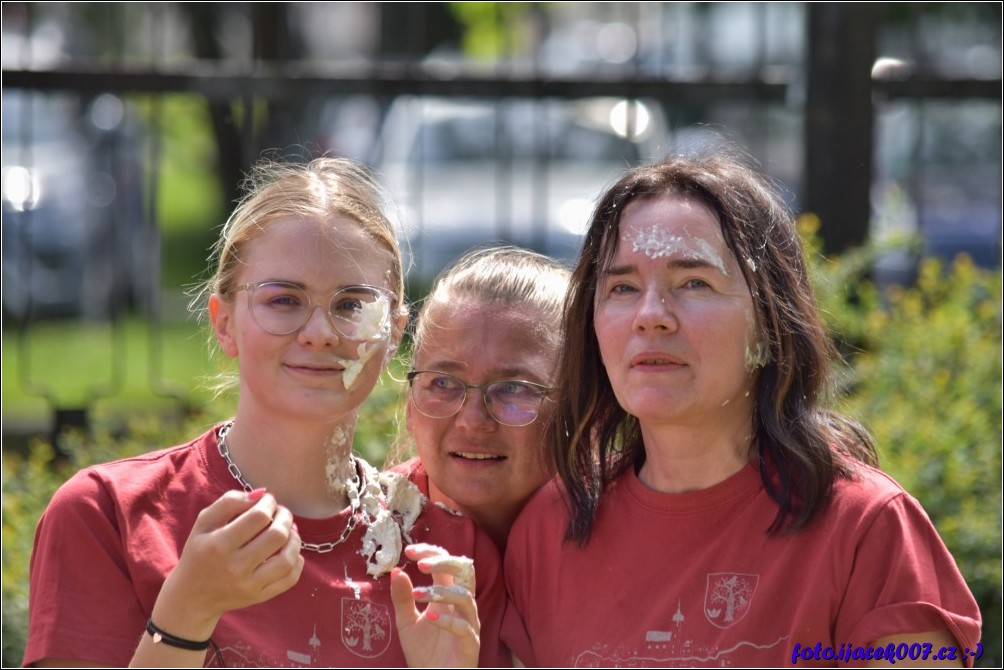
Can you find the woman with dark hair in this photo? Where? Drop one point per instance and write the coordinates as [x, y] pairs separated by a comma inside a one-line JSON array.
[[719, 514]]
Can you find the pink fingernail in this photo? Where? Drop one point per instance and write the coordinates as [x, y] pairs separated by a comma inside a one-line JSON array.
[[255, 496], [421, 591], [295, 529], [433, 616]]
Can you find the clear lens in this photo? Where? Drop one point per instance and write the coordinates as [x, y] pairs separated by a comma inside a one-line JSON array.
[[356, 312], [360, 313], [437, 395], [513, 403]]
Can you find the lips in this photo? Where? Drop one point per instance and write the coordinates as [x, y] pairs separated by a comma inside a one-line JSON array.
[[655, 359], [315, 367], [476, 456]]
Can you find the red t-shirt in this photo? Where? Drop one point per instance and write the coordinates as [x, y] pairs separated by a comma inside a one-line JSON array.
[[113, 532], [694, 579]]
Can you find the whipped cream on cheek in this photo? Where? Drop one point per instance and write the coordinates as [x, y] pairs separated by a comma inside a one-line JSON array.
[[656, 242], [373, 326], [373, 321]]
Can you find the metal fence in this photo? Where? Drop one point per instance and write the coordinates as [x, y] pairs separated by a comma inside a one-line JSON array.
[[861, 111]]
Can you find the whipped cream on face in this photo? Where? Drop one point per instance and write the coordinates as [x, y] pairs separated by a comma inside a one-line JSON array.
[[656, 242], [373, 322], [374, 327]]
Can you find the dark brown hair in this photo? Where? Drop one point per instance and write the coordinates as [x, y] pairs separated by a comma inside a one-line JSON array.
[[800, 446]]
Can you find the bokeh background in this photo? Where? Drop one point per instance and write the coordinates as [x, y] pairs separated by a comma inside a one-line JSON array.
[[127, 128]]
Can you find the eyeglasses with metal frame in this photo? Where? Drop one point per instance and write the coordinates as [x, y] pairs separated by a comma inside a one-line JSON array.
[[439, 395], [356, 312]]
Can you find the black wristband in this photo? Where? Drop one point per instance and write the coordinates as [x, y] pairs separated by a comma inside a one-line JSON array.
[[159, 635]]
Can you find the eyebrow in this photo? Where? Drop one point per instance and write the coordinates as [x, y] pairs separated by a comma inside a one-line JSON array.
[[682, 263], [501, 374], [302, 285]]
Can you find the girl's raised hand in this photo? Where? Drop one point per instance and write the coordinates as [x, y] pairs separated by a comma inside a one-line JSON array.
[[243, 550], [447, 633]]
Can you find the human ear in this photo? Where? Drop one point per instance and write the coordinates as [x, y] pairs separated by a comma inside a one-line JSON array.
[[221, 318]]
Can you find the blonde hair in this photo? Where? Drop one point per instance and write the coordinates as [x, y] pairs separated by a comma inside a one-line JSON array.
[[504, 276], [322, 189]]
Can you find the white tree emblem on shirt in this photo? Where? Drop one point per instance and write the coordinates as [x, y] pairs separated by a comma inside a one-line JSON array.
[[728, 597], [366, 627]]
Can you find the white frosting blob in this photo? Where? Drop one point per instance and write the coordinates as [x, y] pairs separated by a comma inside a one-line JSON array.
[[657, 242], [373, 320], [391, 504]]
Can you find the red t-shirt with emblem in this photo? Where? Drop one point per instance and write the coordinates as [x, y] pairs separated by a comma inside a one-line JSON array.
[[694, 579], [113, 532]]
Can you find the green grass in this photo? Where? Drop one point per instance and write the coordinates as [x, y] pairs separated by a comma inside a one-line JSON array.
[[125, 367], [123, 372]]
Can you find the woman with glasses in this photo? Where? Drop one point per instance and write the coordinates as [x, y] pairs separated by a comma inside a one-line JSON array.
[[266, 541], [485, 343], [710, 510]]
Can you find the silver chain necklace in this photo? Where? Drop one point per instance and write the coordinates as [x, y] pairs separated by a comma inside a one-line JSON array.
[[321, 547]]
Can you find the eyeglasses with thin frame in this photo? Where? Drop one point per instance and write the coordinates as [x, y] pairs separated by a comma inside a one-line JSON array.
[[357, 312], [439, 395]]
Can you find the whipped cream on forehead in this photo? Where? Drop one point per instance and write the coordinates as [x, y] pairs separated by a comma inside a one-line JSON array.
[[656, 242]]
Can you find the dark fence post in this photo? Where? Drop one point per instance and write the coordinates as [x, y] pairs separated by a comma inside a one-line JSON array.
[[838, 120]]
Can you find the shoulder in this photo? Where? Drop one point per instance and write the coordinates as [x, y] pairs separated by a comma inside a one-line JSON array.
[[122, 481], [414, 471], [868, 494], [901, 577], [544, 517]]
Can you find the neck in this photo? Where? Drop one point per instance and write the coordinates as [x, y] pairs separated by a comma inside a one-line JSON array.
[[304, 466], [677, 461]]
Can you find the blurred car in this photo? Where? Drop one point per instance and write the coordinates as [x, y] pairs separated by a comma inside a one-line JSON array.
[[938, 180], [527, 172], [73, 241]]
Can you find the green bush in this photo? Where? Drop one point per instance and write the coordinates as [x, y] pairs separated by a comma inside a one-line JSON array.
[[924, 376]]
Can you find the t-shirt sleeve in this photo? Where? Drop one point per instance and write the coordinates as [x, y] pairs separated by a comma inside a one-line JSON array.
[[82, 604], [904, 580]]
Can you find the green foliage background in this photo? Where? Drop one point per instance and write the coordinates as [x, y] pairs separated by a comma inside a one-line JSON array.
[[923, 374]]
